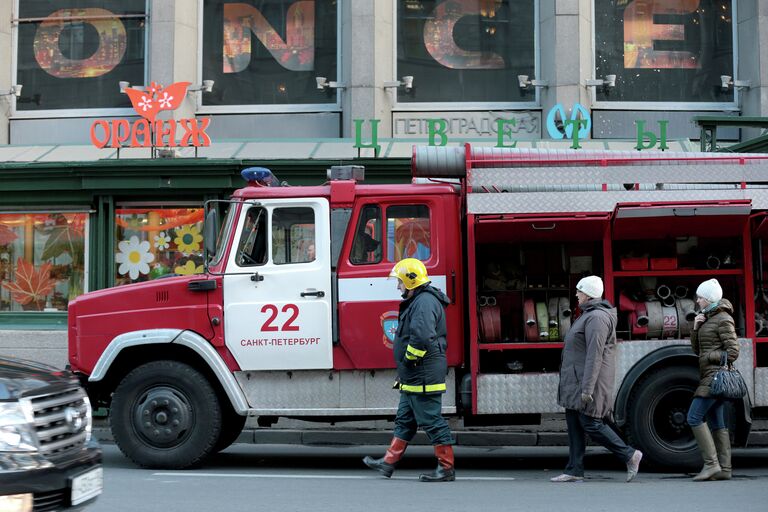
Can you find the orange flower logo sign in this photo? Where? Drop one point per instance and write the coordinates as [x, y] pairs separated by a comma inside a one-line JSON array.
[[150, 131], [149, 103]]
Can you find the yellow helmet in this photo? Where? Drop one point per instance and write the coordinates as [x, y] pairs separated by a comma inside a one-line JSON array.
[[411, 272]]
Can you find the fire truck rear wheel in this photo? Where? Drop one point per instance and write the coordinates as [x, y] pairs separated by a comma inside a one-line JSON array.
[[165, 414], [657, 418]]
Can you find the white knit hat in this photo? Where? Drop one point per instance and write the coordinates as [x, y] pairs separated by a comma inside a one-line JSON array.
[[592, 286], [710, 291]]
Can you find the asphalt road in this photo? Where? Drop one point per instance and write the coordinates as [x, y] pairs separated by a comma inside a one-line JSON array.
[[280, 478]]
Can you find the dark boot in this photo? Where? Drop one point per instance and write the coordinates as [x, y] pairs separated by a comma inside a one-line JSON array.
[[723, 445], [708, 453], [386, 464], [444, 471]]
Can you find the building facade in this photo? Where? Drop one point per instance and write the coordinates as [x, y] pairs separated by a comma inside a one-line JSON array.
[[299, 85]]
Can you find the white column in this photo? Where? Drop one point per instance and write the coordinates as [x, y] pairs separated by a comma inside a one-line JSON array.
[[173, 47]]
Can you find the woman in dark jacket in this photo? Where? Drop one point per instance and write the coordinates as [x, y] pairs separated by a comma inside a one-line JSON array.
[[713, 334], [587, 379]]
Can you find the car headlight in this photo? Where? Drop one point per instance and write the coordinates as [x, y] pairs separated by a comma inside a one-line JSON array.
[[16, 503], [17, 432], [88, 419]]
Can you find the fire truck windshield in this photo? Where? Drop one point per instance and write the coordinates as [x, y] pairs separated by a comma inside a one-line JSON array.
[[223, 235]]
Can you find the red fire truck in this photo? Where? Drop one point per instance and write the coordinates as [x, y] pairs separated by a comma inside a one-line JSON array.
[[294, 315]]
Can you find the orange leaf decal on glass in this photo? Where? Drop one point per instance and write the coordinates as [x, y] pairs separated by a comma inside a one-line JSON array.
[[32, 284]]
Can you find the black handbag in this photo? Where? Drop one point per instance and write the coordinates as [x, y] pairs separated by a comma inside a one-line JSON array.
[[727, 382]]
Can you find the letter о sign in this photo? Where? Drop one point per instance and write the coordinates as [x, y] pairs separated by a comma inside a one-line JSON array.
[[580, 117]]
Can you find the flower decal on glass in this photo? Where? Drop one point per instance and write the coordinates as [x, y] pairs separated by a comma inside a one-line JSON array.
[[189, 268], [162, 241], [134, 257], [188, 239]]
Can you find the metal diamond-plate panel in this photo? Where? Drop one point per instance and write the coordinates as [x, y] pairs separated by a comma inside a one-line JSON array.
[[759, 198], [543, 202], [325, 393], [351, 388], [298, 389], [501, 178], [379, 393], [518, 393], [537, 392], [761, 387], [509, 157], [630, 352]]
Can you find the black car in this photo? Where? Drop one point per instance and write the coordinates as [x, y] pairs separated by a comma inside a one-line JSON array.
[[48, 459]]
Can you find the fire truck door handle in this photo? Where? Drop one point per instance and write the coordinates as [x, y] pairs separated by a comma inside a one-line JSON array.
[[256, 277], [543, 228], [313, 294]]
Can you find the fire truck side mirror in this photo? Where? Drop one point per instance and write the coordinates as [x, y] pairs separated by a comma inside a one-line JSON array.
[[209, 233]]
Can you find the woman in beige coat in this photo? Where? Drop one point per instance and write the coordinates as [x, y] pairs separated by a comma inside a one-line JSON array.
[[713, 333]]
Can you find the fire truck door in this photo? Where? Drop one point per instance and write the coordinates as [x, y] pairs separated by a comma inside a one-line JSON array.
[[277, 286]]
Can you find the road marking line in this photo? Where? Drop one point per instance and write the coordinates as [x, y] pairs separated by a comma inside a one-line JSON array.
[[320, 477]]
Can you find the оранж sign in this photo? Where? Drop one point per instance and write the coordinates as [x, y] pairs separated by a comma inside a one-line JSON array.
[[149, 131]]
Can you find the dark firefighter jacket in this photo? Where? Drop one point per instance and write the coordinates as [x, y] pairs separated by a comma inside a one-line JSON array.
[[420, 342]]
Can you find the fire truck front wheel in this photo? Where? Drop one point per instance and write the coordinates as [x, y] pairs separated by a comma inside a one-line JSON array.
[[165, 414], [657, 418]]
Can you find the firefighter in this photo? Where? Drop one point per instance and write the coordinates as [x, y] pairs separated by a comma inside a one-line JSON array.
[[419, 350]]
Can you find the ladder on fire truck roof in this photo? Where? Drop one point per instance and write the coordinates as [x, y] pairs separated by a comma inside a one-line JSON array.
[[507, 180]]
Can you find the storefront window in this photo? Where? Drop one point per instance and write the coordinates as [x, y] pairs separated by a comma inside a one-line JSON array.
[[72, 54], [664, 50], [42, 260], [465, 50], [154, 242], [268, 52]]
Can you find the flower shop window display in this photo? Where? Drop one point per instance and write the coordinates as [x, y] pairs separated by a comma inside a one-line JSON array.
[[42, 260], [154, 242]]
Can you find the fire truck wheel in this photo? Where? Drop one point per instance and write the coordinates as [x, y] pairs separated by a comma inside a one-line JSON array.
[[657, 418], [165, 414], [231, 426]]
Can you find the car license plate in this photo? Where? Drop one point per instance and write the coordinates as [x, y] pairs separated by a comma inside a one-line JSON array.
[[87, 485]]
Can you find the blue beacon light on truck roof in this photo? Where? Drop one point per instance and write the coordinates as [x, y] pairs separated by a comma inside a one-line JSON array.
[[259, 177]]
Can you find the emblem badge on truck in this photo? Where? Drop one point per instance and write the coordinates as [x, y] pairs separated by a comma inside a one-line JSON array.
[[389, 327]]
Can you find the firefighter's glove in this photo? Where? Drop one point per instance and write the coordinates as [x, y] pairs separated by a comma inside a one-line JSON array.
[[586, 398], [396, 384], [413, 356]]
